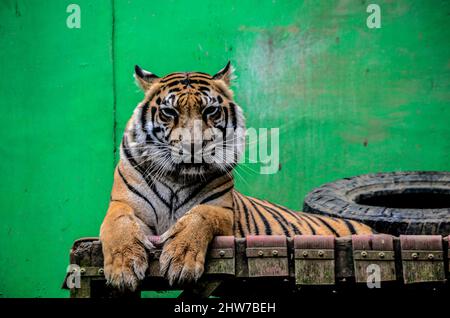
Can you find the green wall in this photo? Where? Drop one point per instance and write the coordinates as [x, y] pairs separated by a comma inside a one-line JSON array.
[[347, 99]]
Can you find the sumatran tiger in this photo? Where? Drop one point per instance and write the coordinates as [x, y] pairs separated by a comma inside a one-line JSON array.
[[187, 203]]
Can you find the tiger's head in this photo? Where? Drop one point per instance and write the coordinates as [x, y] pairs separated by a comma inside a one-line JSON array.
[[187, 125]]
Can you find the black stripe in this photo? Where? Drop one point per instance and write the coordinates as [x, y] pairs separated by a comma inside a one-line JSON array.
[[309, 218], [247, 219], [280, 218], [233, 115], [282, 209], [251, 216], [246, 211], [298, 216], [136, 192], [174, 90], [268, 230], [170, 84], [150, 136], [137, 167], [350, 226], [204, 88], [201, 75], [130, 158], [144, 116], [191, 195], [293, 214], [149, 179], [294, 227], [186, 82], [198, 81], [198, 190], [172, 76], [313, 230], [225, 111], [301, 221], [216, 195], [155, 191], [237, 220], [327, 225]]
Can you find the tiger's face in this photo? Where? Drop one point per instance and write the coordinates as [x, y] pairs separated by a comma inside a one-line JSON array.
[[187, 125]]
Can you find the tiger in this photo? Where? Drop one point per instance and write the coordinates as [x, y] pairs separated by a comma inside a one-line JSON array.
[[187, 203]]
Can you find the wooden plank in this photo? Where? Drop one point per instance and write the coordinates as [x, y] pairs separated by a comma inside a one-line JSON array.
[[267, 256], [93, 281], [422, 258], [374, 250], [314, 260]]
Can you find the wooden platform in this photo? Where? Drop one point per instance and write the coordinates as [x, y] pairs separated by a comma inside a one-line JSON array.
[[276, 265]]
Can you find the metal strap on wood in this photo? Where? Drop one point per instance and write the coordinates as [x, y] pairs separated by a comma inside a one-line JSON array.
[[220, 257], [374, 254], [310, 260], [314, 260], [422, 258], [267, 255]]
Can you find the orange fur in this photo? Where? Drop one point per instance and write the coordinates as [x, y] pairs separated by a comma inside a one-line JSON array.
[[186, 211]]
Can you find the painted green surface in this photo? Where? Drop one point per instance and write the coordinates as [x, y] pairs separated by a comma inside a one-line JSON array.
[[56, 125], [347, 100]]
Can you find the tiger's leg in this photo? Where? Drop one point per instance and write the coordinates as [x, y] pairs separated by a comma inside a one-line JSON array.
[[124, 243], [186, 242]]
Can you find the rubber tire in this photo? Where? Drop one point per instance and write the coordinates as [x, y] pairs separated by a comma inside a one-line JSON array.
[[338, 199]]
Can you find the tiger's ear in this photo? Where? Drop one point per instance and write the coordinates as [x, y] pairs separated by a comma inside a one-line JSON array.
[[225, 74], [144, 78]]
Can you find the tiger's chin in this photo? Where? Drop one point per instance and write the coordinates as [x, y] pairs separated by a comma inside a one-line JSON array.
[[194, 171]]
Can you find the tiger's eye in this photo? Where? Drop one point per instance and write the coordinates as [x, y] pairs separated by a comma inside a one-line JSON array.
[[210, 111], [168, 112]]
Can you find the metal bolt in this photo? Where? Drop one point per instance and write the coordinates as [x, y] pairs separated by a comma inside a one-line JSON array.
[[364, 254], [320, 253], [414, 255], [274, 252], [305, 253], [381, 254], [222, 253], [82, 270], [430, 256], [101, 271], [260, 253]]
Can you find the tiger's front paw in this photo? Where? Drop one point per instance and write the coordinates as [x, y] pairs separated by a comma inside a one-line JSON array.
[[186, 242], [125, 260]]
